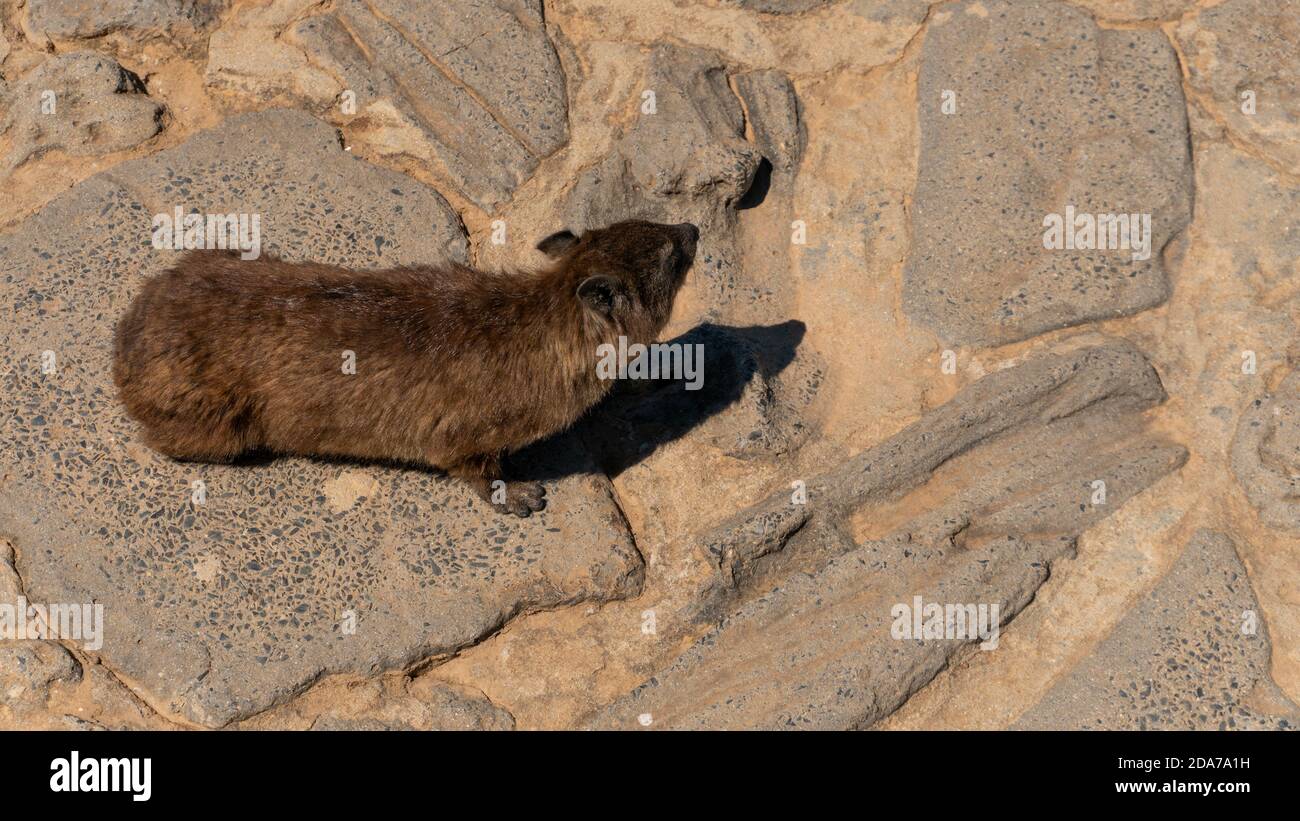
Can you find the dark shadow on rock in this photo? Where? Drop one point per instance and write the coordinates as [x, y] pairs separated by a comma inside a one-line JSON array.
[[758, 189], [640, 415]]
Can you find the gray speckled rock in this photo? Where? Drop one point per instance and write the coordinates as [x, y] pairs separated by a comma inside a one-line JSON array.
[[1250, 46], [1266, 455], [98, 107], [1180, 659], [480, 80], [67, 19], [969, 505], [217, 610], [1050, 112]]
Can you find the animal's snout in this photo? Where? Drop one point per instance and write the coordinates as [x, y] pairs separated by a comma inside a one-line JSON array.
[[690, 235]]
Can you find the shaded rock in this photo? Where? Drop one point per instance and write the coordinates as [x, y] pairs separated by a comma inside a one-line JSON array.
[[1194, 654], [748, 400], [1250, 46], [81, 103], [969, 506], [1266, 455], [222, 603], [79, 19], [1051, 113], [773, 111], [476, 87]]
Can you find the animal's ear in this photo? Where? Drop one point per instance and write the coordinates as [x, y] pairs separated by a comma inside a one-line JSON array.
[[558, 243], [603, 294]]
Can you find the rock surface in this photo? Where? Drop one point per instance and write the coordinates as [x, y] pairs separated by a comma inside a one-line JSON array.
[[1191, 655], [1018, 123], [80, 103], [475, 89], [80, 19], [812, 643], [1266, 455], [1243, 63]]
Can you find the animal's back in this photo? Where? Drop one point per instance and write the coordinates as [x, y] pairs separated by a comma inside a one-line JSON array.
[[218, 355]]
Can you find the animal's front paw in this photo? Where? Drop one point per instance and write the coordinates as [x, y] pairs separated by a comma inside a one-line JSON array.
[[519, 498]]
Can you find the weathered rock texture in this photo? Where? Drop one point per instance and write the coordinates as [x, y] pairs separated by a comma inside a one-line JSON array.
[[77, 19], [1243, 62], [1266, 455], [1192, 655], [80, 103], [474, 88], [810, 644], [220, 609], [1047, 111], [684, 157]]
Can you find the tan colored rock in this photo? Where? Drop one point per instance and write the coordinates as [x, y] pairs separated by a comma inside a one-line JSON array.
[[1243, 57], [82, 104]]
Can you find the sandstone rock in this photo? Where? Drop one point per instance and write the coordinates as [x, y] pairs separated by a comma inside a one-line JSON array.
[[1249, 51], [27, 668], [968, 506], [387, 704], [251, 56], [773, 111], [474, 90], [219, 608], [80, 19], [27, 671], [80, 103], [1038, 128], [1266, 455], [1194, 654]]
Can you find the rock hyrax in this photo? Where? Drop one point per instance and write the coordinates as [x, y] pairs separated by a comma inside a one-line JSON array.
[[445, 366]]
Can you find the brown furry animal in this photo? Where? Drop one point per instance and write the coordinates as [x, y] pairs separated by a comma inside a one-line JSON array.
[[220, 356]]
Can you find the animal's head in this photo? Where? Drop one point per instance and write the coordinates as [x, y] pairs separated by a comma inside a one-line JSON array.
[[628, 273]]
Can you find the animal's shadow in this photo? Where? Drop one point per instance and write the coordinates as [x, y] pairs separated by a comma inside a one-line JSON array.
[[641, 415]]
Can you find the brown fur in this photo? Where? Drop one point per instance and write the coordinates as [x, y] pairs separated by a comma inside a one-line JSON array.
[[220, 356]]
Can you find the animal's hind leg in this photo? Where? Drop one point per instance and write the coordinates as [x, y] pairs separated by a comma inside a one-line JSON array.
[[483, 474], [201, 437]]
